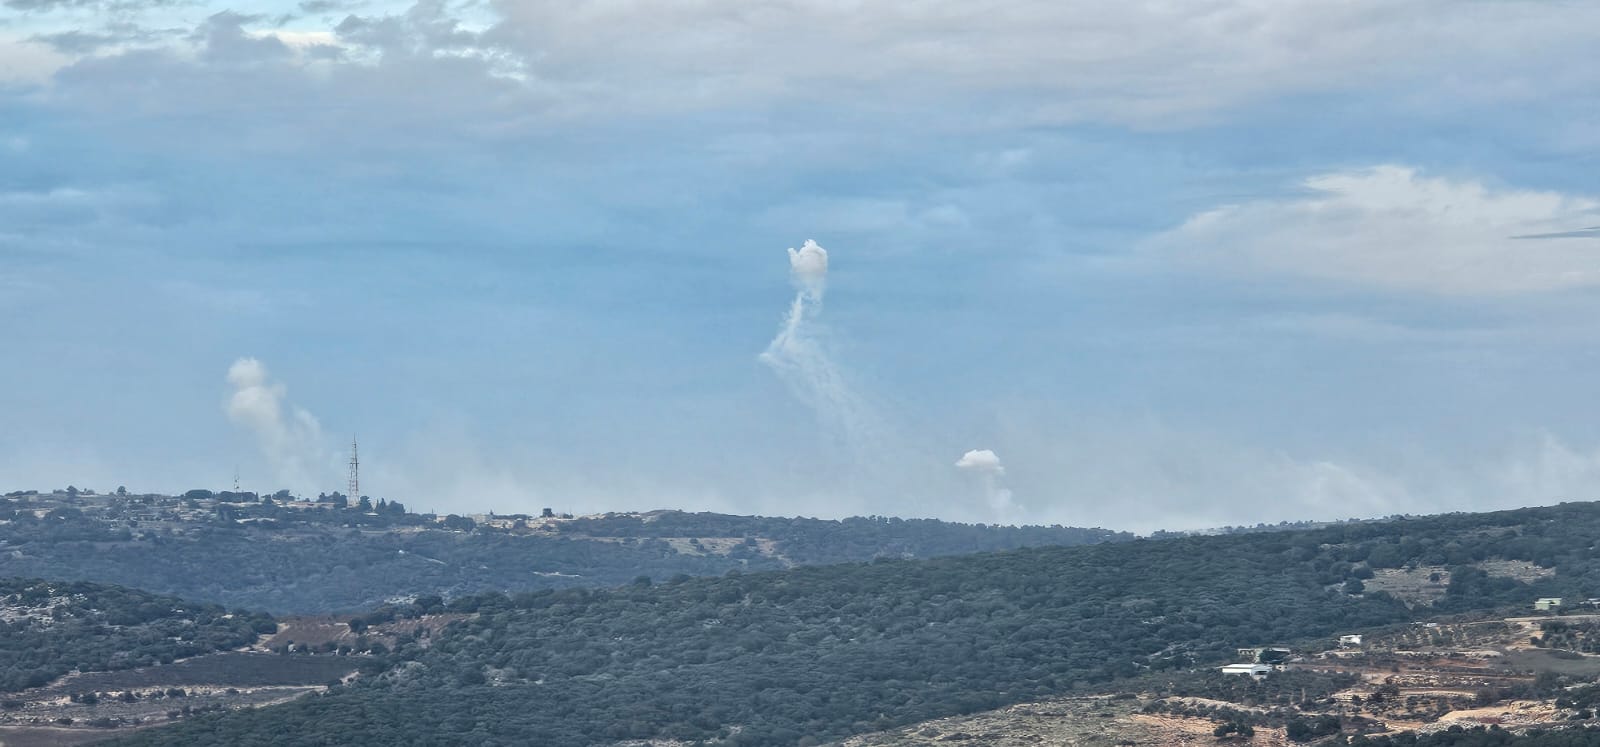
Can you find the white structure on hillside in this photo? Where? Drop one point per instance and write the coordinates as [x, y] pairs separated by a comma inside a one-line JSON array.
[[1545, 604], [1350, 640], [1254, 671]]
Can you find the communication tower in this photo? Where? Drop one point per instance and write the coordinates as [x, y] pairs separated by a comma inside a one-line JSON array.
[[355, 474]]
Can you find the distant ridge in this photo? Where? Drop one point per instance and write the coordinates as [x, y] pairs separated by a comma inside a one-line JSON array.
[[332, 554]]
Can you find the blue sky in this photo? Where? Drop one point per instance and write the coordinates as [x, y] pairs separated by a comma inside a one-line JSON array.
[[1177, 265]]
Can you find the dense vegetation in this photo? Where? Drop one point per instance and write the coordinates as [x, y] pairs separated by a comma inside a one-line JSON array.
[[331, 569], [338, 560], [48, 629], [822, 542], [1457, 736], [818, 653], [814, 654]]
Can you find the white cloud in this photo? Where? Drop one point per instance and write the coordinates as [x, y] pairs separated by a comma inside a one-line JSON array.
[[301, 39], [899, 221], [28, 62], [1391, 227], [1145, 63], [1140, 62]]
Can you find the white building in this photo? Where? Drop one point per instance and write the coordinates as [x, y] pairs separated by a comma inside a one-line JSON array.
[[1545, 604], [1350, 640], [1254, 671]]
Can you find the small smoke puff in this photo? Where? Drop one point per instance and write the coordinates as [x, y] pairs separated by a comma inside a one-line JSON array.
[[981, 460], [247, 373], [809, 263]]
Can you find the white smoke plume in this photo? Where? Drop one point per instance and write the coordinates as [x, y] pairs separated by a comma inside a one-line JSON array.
[[981, 460], [798, 356], [986, 464], [808, 265], [289, 436]]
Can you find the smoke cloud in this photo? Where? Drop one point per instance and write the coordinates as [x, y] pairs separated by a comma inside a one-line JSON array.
[[985, 463], [799, 358], [290, 437], [981, 460], [808, 265]]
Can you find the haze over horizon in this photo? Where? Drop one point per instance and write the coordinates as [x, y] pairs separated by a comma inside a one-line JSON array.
[[1177, 266]]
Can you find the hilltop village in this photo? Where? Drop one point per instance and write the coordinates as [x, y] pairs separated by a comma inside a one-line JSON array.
[[138, 512]]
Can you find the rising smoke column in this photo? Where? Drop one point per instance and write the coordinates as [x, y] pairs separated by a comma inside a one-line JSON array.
[[883, 462], [986, 464], [290, 437], [799, 358], [808, 270]]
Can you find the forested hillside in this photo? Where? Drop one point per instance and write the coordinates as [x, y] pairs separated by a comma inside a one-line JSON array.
[[820, 542], [1488, 737], [48, 629], [242, 550], [814, 654], [809, 654]]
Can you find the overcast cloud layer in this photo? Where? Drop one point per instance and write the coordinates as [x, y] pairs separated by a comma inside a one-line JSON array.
[[1182, 264]]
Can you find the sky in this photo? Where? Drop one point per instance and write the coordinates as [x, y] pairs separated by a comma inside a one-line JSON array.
[[1165, 264]]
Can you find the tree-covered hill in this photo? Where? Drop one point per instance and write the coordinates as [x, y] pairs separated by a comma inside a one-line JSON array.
[[50, 628], [1457, 736], [808, 654], [818, 653], [806, 541], [241, 550]]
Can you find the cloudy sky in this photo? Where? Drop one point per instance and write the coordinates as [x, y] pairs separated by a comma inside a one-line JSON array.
[[1177, 264]]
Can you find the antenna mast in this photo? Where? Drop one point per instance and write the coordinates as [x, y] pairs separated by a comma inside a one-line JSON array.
[[355, 474]]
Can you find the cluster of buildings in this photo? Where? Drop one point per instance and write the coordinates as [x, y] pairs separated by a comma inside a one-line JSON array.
[[1260, 661], [1264, 660], [142, 512], [547, 520]]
